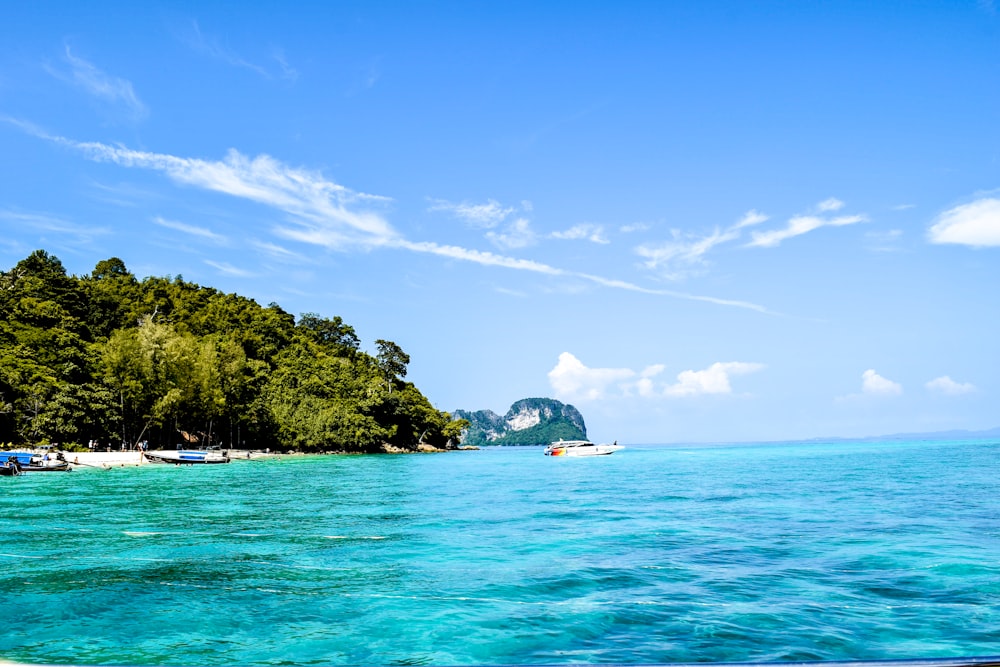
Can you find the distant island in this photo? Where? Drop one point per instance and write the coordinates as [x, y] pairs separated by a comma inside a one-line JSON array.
[[106, 359], [530, 421]]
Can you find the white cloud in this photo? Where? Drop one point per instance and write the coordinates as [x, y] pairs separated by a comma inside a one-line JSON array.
[[484, 216], [874, 384], [101, 85], [801, 224], [946, 385], [321, 212], [750, 218], [572, 380], [50, 224], [976, 224], [684, 255], [197, 41], [884, 241], [517, 234], [712, 380], [634, 227], [831, 204], [587, 231], [229, 269], [190, 229]]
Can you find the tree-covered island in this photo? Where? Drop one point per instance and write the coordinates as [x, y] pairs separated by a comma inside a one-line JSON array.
[[111, 358]]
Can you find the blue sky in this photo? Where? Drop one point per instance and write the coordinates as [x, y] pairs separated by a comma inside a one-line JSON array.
[[711, 221]]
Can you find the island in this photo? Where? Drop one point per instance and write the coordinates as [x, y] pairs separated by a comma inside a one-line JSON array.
[[530, 421], [107, 361]]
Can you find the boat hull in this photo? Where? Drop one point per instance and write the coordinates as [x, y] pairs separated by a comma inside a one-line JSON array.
[[574, 448]]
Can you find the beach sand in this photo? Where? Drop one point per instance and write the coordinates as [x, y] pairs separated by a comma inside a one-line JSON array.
[[119, 459]]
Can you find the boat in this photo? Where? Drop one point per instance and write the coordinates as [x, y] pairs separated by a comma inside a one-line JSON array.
[[580, 448], [17, 463], [188, 456]]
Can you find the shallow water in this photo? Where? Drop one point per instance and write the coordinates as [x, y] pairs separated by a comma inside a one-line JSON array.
[[655, 554]]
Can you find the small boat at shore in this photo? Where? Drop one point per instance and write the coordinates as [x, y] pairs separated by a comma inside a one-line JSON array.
[[187, 456], [18, 463], [580, 448]]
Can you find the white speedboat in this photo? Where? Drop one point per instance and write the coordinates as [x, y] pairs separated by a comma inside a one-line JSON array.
[[187, 456], [580, 448]]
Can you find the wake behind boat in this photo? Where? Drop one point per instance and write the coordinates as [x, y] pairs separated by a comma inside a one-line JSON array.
[[580, 448], [187, 456]]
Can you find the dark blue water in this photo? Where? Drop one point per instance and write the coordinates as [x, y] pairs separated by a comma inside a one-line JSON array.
[[655, 554]]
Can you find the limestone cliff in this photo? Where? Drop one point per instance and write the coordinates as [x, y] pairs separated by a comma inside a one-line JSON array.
[[530, 421]]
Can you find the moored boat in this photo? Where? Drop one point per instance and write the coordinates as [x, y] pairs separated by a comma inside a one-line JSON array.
[[581, 448], [187, 456], [16, 463]]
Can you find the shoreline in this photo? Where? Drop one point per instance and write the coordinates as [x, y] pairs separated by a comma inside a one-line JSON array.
[[134, 459]]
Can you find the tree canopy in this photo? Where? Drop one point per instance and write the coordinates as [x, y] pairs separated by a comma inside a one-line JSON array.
[[110, 358]]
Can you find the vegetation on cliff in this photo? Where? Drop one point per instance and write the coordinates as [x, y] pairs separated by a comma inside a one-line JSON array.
[[110, 358], [530, 421]]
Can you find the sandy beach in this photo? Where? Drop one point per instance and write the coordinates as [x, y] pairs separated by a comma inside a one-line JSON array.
[[131, 459]]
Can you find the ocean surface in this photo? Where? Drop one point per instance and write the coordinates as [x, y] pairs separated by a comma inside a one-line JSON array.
[[769, 552]]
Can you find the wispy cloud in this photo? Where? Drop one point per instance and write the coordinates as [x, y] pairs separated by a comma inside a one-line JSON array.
[[634, 227], [803, 224], [570, 379], [320, 212], [884, 241], [101, 85], [517, 234], [210, 46], [684, 254], [584, 231], [945, 385], [201, 232], [278, 252], [45, 224], [229, 270], [976, 224], [483, 216]]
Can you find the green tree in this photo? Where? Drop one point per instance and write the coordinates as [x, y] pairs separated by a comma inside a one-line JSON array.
[[392, 361]]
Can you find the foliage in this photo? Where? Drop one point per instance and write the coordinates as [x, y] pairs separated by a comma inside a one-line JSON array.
[[110, 358]]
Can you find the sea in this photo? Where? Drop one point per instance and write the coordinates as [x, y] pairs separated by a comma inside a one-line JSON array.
[[848, 550]]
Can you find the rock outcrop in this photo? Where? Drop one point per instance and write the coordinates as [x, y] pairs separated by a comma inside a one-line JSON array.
[[530, 421]]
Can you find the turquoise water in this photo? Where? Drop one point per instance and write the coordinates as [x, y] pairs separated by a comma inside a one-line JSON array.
[[655, 554]]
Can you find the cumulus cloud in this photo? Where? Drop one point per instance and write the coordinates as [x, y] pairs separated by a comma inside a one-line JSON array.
[[875, 385], [975, 224], [712, 380], [572, 380], [945, 385]]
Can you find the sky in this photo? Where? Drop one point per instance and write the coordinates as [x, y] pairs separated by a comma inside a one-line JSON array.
[[694, 221]]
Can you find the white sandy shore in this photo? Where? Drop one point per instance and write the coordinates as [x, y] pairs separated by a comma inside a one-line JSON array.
[[84, 460]]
